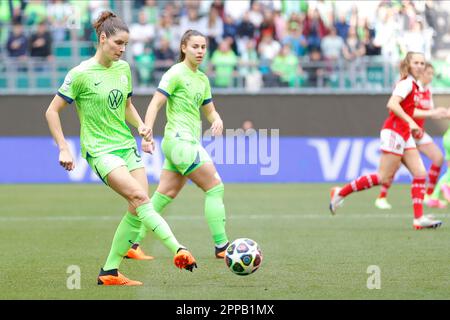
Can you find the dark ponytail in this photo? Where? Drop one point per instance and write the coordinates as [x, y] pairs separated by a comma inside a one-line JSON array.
[[184, 40], [109, 23]]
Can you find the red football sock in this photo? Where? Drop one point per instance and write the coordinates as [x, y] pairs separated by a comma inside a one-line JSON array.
[[361, 183], [384, 189], [433, 175], [417, 194]]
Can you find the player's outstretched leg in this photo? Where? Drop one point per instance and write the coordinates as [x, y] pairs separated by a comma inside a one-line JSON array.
[[362, 183]]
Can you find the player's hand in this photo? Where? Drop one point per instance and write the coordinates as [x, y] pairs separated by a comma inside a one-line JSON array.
[[217, 127], [418, 134], [416, 131], [66, 160], [148, 146], [145, 132], [440, 113]]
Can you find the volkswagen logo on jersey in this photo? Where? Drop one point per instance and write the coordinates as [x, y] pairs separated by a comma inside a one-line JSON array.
[[198, 98], [115, 99]]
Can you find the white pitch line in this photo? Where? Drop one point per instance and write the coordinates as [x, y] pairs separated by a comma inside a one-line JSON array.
[[230, 217]]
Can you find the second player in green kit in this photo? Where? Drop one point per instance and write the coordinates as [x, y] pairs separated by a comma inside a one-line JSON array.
[[187, 92]]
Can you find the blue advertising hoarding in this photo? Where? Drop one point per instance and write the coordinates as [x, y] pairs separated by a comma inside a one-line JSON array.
[[238, 160]]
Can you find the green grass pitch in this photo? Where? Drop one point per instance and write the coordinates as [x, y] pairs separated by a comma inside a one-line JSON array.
[[308, 254]]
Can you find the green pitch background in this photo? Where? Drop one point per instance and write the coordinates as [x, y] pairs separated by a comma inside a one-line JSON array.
[[308, 254]]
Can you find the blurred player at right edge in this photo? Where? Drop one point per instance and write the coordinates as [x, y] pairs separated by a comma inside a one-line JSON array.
[[398, 145], [425, 144]]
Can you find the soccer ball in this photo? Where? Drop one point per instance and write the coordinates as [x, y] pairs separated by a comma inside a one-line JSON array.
[[243, 256]]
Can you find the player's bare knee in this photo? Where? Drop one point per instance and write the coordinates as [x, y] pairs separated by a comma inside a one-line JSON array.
[[217, 180], [171, 193], [386, 178], [137, 198], [421, 173], [168, 190], [439, 161]]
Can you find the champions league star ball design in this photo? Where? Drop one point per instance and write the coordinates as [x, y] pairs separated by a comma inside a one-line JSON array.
[[243, 256]]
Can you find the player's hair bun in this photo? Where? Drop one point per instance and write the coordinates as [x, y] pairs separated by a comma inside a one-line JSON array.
[[109, 23], [102, 18]]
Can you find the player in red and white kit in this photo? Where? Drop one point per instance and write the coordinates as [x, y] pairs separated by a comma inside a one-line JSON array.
[[397, 144], [425, 144]]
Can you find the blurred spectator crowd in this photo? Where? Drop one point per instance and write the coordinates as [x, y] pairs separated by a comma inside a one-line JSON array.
[[251, 43]]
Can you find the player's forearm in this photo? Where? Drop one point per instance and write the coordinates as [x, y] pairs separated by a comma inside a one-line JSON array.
[[421, 114], [213, 116], [54, 124], [157, 102], [151, 114], [132, 116]]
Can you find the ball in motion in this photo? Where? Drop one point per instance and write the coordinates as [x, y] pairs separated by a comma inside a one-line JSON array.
[[243, 256]]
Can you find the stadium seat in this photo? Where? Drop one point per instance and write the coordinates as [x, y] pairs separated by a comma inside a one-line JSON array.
[[62, 69], [375, 75], [86, 52], [63, 52], [43, 82], [22, 82]]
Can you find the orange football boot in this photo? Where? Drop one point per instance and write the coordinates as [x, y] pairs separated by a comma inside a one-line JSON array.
[[184, 260], [115, 278], [137, 254], [220, 253]]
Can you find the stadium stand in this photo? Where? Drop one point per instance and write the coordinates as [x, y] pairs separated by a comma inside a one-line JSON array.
[[327, 45]]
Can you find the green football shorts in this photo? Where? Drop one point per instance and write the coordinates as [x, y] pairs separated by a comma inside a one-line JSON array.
[[446, 143], [183, 156], [104, 164]]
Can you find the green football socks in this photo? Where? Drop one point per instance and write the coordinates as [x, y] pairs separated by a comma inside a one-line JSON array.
[[159, 201], [126, 232], [215, 213], [153, 221]]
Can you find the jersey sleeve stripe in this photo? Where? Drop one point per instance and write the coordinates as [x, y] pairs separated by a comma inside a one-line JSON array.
[[206, 101], [129, 94], [163, 92], [68, 99]]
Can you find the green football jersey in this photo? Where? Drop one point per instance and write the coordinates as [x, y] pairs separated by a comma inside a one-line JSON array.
[[186, 91], [101, 95]]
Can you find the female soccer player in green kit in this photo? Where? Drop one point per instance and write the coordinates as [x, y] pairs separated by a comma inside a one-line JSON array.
[[101, 87], [187, 91]]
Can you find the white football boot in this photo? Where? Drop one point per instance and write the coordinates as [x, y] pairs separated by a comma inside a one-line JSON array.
[[426, 222], [383, 204], [336, 199]]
